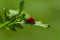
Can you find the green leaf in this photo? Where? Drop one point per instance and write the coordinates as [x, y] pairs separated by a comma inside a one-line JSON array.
[[21, 6]]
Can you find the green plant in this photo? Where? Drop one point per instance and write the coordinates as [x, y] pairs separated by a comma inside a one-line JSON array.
[[16, 18], [7, 23]]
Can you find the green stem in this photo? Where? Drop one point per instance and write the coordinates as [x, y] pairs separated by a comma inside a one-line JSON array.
[[12, 23], [6, 23]]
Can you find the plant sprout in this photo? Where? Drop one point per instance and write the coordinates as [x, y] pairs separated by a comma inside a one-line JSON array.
[[17, 18]]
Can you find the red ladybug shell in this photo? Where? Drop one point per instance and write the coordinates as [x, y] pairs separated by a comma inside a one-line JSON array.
[[30, 19]]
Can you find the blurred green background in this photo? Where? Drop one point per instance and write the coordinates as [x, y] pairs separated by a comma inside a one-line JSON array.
[[47, 11]]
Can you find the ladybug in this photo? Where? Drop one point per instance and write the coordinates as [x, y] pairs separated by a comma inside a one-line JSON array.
[[29, 20]]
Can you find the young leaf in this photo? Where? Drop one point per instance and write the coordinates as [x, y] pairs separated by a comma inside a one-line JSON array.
[[1, 20], [21, 6], [4, 14]]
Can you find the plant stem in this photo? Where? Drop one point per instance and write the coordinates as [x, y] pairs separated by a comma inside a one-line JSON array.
[[7, 22]]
